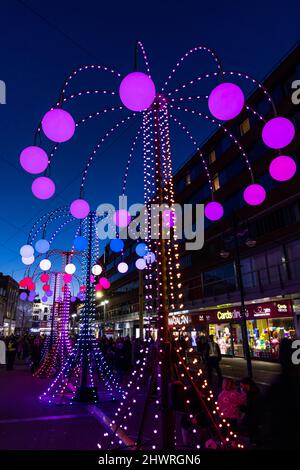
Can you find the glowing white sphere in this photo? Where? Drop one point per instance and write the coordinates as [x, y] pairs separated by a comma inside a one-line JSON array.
[[122, 267], [28, 261], [45, 264], [26, 251], [70, 268], [140, 264], [96, 270]]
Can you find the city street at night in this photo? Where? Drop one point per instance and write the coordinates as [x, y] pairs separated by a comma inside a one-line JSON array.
[[150, 233]]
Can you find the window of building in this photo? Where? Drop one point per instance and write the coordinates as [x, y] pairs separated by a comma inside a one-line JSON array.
[[216, 182], [188, 179], [245, 126], [45, 317], [35, 317], [212, 157]]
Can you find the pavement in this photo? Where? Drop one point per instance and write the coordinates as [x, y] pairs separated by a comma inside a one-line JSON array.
[[264, 373]]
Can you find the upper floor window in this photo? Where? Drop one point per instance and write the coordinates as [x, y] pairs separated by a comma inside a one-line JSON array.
[[245, 126], [188, 179], [216, 182], [212, 157]]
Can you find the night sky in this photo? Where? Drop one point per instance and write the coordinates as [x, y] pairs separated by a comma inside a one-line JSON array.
[[41, 42]]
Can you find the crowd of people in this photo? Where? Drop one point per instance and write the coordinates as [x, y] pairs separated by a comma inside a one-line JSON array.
[[27, 347]]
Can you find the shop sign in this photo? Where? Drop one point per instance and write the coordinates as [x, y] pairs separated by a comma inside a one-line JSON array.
[[179, 320]]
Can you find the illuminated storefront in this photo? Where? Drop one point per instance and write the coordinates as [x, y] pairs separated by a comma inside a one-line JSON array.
[[267, 324]]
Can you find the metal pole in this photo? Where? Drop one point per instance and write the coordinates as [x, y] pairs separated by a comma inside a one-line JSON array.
[[141, 304], [242, 296]]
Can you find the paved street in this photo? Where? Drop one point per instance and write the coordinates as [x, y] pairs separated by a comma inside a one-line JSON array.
[[264, 373]]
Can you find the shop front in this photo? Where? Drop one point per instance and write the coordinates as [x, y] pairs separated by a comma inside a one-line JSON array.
[[267, 323]]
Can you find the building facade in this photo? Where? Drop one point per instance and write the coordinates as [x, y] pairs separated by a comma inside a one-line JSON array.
[[41, 318], [267, 236], [9, 293]]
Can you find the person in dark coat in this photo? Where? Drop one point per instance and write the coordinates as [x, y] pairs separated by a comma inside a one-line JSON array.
[[251, 410], [201, 344], [212, 356], [11, 351]]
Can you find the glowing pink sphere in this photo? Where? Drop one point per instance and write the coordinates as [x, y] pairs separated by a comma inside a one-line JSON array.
[[34, 159], [254, 194], [67, 278], [43, 187], [278, 132], [226, 101], [58, 125], [98, 287], [80, 209], [282, 168], [104, 282], [213, 211], [122, 218], [137, 91]]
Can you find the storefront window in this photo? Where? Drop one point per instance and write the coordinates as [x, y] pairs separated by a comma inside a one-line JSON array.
[[222, 336], [237, 340]]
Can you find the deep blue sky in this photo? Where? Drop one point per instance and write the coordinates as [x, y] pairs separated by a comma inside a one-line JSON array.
[[42, 42]]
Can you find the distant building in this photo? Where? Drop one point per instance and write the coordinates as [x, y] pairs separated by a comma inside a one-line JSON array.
[[23, 316], [41, 317], [9, 293]]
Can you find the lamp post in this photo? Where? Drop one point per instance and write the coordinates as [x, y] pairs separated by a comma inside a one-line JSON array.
[[104, 304]]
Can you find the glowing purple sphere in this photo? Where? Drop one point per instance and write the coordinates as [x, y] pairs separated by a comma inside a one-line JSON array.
[[73, 298], [254, 194], [80, 209], [137, 91], [140, 264], [213, 211], [23, 296], [122, 218], [278, 132], [34, 159], [282, 168], [226, 101], [44, 298], [43, 187], [58, 125]]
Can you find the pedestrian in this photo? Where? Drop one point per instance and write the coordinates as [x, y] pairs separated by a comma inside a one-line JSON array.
[[201, 342], [213, 357], [230, 401], [11, 350], [251, 410], [36, 354]]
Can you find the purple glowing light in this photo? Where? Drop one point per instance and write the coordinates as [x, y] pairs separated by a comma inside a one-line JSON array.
[[278, 132], [226, 101], [140, 264], [80, 209], [73, 298], [49, 293], [137, 91], [254, 194], [282, 168], [44, 298], [58, 125], [43, 187], [169, 218], [34, 159], [213, 211], [122, 218], [23, 296]]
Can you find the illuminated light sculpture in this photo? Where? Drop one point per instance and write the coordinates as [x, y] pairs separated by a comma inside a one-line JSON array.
[[34, 160], [282, 168], [58, 125], [104, 282], [137, 91], [278, 132], [44, 298], [116, 245], [46, 287], [43, 187], [80, 209], [213, 211], [28, 261], [122, 267], [140, 264], [96, 270], [26, 251], [49, 293], [98, 287], [80, 243], [44, 277], [42, 246], [67, 278], [226, 101], [254, 194], [45, 264], [23, 296], [70, 268], [122, 218], [141, 249]]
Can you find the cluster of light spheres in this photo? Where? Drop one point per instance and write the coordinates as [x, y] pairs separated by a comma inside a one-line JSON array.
[[70, 268], [43, 187], [137, 91], [254, 194], [213, 211], [28, 261], [96, 270], [58, 125], [26, 251], [34, 159], [282, 168], [278, 133], [122, 218], [45, 264], [42, 246], [80, 209], [122, 267], [226, 101]]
